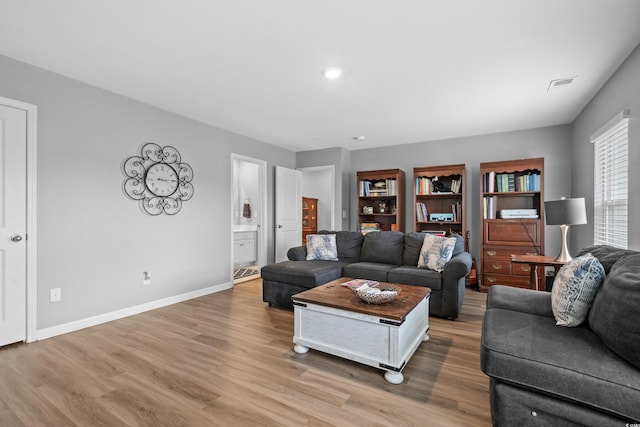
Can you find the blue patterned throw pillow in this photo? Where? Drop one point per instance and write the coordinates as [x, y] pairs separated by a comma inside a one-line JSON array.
[[322, 247], [575, 288], [436, 252]]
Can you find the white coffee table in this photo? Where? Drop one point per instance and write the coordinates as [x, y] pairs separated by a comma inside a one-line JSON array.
[[330, 318]]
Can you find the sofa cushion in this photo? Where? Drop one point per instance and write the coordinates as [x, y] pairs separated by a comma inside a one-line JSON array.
[[413, 244], [306, 274], [368, 270], [519, 299], [572, 364], [574, 289], [411, 275], [436, 252], [607, 255], [383, 247], [322, 247], [615, 313], [349, 244]]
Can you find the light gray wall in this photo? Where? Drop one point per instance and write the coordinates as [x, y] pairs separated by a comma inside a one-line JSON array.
[[622, 91], [552, 143], [94, 242]]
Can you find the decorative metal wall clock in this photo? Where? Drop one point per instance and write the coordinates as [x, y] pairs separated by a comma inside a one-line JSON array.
[[158, 179]]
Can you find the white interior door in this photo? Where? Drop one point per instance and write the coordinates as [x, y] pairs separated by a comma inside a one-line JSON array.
[[288, 220], [13, 201]]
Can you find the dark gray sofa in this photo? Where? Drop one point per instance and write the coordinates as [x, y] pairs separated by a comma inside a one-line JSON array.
[[386, 256], [548, 375]]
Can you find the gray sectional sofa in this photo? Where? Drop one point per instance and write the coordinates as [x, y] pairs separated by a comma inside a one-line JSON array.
[[549, 375], [385, 256]]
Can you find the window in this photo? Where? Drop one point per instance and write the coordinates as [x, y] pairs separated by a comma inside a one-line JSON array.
[[611, 164]]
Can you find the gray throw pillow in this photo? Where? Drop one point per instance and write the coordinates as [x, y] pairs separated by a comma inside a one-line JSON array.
[[616, 309]]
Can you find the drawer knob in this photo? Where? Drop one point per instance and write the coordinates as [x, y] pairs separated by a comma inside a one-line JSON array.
[[491, 279], [526, 268], [497, 267], [491, 253]]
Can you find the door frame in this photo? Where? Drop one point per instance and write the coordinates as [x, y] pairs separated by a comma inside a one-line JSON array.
[[31, 232], [261, 244]]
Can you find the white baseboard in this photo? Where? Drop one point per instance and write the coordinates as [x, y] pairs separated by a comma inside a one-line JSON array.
[[119, 314]]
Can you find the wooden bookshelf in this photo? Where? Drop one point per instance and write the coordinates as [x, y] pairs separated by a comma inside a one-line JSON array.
[[512, 209], [380, 199], [438, 204]]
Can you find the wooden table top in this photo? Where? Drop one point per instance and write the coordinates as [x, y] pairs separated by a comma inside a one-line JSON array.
[[333, 294], [536, 259]]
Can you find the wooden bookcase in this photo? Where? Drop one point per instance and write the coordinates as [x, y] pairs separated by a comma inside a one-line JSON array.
[[309, 217], [512, 209], [380, 199], [439, 192]]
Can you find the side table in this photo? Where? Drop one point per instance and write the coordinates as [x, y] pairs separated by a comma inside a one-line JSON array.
[[536, 261]]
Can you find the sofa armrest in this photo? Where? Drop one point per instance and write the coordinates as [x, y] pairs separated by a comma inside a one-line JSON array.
[[518, 299], [297, 253], [457, 267]]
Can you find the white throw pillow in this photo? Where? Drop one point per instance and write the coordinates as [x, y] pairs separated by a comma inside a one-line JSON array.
[[575, 288], [322, 247], [436, 252]]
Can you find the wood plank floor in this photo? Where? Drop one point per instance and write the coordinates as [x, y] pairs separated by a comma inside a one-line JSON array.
[[226, 359]]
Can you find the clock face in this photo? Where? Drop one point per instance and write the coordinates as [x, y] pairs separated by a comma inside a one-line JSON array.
[[161, 179]]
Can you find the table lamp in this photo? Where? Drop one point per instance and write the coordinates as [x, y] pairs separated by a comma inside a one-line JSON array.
[[565, 212]]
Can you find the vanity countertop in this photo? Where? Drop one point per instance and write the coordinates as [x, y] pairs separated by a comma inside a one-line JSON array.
[[244, 227]]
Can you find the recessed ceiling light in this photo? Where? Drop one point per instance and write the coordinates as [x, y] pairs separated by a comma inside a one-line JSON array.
[[358, 138], [332, 73]]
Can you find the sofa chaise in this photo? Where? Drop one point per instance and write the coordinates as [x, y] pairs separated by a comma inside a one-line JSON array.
[[549, 375], [386, 256]]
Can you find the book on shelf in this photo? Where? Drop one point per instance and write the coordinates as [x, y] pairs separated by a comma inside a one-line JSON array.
[[384, 187], [428, 186], [510, 182], [456, 209], [489, 207], [423, 185], [422, 214]]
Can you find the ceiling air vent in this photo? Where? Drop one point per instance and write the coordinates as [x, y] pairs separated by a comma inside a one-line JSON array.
[[560, 83]]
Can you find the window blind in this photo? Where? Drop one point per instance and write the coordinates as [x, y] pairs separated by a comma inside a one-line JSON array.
[[611, 164]]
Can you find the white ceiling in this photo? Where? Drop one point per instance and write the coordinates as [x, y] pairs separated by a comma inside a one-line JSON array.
[[414, 70]]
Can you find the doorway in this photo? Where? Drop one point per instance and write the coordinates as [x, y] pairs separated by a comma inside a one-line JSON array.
[[318, 182], [248, 217]]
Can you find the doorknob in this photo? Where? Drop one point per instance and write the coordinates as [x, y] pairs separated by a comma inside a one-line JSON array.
[[16, 238], [279, 226]]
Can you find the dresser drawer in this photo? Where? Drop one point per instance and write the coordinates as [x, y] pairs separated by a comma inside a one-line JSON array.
[[503, 253], [496, 266], [490, 279], [506, 267]]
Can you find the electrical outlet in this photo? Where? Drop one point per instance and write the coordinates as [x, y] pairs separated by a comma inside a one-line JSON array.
[[55, 295], [146, 277]]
